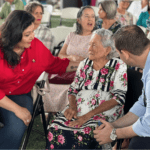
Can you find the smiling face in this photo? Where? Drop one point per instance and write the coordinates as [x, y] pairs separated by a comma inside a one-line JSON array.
[[96, 50], [87, 20], [38, 14], [27, 37], [101, 12]]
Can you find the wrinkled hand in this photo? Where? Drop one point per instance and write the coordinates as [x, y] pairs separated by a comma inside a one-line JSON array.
[[70, 113], [102, 133], [24, 115], [80, 121]]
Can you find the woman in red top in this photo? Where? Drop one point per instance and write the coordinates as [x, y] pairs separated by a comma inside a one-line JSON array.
[[22, 59]]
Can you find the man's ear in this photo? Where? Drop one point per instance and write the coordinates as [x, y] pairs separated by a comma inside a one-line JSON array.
[[125, 54]]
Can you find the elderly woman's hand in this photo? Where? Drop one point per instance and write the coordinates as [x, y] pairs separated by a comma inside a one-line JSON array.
[[70, 113], [80, 121]]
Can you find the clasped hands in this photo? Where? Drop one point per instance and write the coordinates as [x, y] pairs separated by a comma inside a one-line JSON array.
[[72, 113]]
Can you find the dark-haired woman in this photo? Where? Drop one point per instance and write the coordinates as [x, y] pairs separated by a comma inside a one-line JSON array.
[[75, 49], [22, 59]]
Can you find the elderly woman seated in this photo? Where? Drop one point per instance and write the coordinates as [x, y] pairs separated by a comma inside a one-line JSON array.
[[107, 12], [98, 91], [122, 15], [40, 31]]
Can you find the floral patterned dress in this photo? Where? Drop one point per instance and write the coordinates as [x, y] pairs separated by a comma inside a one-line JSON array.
[[126, 19], [113, 28], [91, 88]]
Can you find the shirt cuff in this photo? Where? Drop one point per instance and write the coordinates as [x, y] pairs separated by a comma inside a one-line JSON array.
[[139, 129], [138, 109], [65, 65], [2, 94]]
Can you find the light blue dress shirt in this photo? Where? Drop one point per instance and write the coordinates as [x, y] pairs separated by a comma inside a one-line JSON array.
[[142, 126]]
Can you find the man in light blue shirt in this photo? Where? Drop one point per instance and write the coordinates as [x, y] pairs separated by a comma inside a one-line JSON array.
[[134, 49]]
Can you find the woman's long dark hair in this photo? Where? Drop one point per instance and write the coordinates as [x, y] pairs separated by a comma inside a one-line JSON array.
[[11, 34]]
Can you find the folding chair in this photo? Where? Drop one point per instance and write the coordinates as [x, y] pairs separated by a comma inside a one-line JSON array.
[[37, 109], [135, 86], [96, 9], [69, 13]]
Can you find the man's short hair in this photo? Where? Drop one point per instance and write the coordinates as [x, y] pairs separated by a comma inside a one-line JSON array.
[[132, 39]]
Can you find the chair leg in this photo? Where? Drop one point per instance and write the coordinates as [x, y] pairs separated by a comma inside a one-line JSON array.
[[43, 119], [25, 141]]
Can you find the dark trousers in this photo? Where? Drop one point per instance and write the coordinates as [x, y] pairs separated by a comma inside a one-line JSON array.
[[86, 2], [139, 143], [12, 132]]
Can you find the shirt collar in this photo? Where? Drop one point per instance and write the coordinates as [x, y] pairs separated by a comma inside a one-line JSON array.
[[146, 68]]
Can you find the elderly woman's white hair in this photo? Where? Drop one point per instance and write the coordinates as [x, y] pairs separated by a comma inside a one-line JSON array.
[[107, 41]]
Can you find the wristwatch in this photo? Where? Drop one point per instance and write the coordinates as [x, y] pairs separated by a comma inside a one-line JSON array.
[[113, 135]]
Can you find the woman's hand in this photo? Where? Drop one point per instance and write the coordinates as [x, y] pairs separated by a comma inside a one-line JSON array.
[[70, 113], [24, 115], [80, 121]]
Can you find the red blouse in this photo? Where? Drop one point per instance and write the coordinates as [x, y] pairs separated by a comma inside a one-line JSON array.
[[34, 60]]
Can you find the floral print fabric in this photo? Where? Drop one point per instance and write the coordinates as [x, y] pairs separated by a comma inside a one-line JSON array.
[[91, 88], [113, 28], [126, 19]]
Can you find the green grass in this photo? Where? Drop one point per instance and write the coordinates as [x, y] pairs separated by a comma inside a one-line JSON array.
[[36, 141]]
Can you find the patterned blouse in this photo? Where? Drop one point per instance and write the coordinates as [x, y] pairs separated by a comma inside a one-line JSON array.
[[113, 28], [126, 19], [92, 87], [44, 34]]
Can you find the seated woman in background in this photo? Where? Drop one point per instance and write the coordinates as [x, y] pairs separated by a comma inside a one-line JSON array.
[[41, 32], [75, 49], [144, 16], [9, 6], [122, 15], [107, 12], [98, 91]]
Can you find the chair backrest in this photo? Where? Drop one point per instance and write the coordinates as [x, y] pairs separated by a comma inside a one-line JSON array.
[[69, 13], [60, 33], [135, 86], [134, 20], [48, 7], [96, 9]]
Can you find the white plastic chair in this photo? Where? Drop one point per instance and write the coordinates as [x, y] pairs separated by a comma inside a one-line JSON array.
[[60, 33], [46, 19], [96, 9], [69, 13], [134, 20]]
